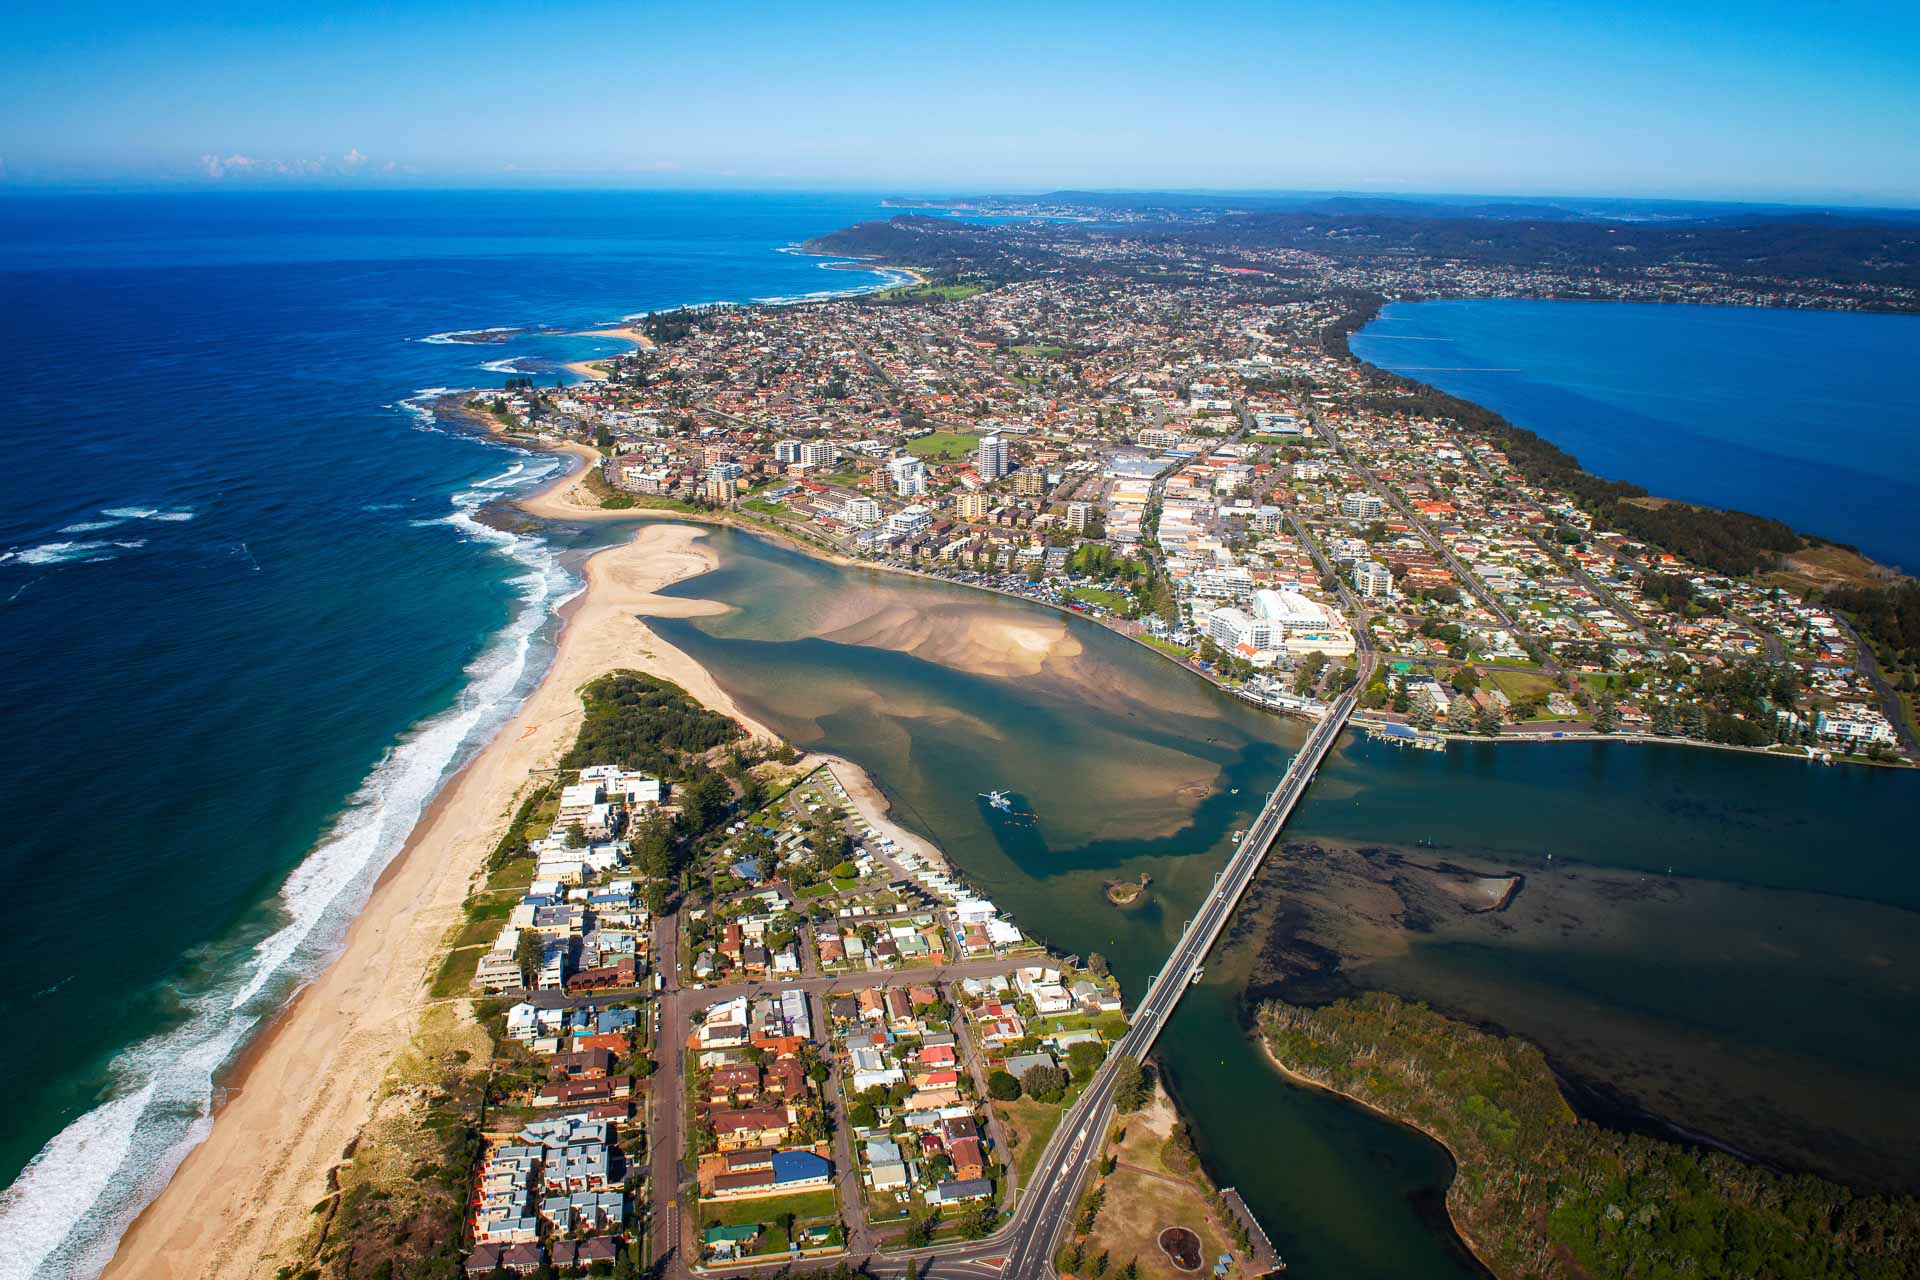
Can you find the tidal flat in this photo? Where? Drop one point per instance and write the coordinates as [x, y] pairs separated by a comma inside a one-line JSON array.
[[1774, 1023]]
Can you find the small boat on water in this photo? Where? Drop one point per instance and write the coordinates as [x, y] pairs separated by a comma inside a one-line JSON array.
[[1001, 800]]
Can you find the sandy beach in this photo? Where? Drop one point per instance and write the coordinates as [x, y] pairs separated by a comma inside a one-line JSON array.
[[874, 808], [627, 333], [310, 1083]]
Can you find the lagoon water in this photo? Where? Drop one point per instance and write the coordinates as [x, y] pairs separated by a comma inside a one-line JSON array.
[[247, 622], [1812, 417]]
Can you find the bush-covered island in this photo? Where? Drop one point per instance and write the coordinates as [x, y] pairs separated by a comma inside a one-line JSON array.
[[1540, 1192]]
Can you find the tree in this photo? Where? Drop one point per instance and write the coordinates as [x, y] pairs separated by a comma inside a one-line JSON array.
[[1044, 1083], [1129, 1085], [1606, 716], [1402, 701], [1002, 1087], [1084, 1058], [529, 951], [704, 802], [576, 836], [1489, 720]]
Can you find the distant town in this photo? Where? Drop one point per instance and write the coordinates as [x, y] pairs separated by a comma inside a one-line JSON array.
[[1174, 441]]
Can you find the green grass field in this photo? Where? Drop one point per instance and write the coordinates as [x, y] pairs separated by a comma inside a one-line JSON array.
[[1166, 647], [950, 292], [1030, 1123], [1112, 601], [1518, 684], [943, 446]]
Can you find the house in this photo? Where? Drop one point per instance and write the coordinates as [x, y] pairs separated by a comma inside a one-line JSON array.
[[954, 1128], [958, 1190], [750, 1127], [739, 1083], [523, 1259], [786, 1078], [885, 1163], [730, 1242], [484, 1261], [611, 977], [799, 1170], [747, 1159], [581, 1254], [969, 1161], [590, 1064], [568, 1093], [1020, 1064]]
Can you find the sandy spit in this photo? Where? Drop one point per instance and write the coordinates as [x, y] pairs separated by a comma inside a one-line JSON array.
[[310, 1084]]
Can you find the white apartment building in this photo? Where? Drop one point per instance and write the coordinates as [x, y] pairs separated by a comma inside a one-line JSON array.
[[908, 475], [992, 459], [909, 520], [1373, 580]]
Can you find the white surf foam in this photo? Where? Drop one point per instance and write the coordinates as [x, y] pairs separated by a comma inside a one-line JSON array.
[[82, 552], [64, 1215], [173, 516]]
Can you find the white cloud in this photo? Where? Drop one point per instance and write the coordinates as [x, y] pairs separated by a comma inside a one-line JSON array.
[[218, 167], [354, 162]]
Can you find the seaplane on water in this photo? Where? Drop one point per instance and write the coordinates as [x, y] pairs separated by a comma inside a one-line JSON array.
[[1001, 800]]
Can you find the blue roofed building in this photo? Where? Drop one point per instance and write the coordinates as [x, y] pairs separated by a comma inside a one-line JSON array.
[[796, 1170]]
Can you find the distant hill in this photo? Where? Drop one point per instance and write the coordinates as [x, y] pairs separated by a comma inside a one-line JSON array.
[[1821, 249], [1434, 206]]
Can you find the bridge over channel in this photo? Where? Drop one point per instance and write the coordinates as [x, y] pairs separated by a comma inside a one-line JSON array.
[[1024, 1248]]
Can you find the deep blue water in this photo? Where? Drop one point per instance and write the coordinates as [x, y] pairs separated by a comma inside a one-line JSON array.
[[247, 624], [1812, 417]]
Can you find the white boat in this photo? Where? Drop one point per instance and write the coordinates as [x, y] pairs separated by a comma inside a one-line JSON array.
[[1001, 800]]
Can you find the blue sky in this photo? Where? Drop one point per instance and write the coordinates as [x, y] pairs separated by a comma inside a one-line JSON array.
[[1707, 100]]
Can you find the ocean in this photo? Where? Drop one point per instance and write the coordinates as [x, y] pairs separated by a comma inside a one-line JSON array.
[[1805, 416], [248, 622]]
